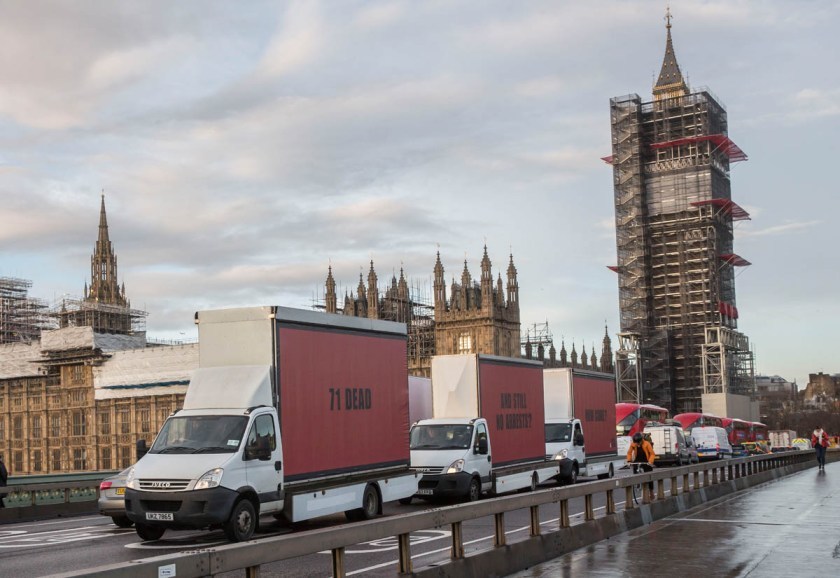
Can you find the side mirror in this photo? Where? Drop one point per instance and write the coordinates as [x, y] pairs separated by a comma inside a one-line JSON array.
[[578, 439], [481, 446], [141, 448]]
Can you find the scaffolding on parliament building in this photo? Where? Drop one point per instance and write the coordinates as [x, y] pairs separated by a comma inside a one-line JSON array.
[[22, 318]]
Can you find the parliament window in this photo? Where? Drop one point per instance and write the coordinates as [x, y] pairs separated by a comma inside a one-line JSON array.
[[79, 428]]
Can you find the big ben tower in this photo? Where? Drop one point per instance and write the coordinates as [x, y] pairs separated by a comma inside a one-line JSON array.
[[674, 216]]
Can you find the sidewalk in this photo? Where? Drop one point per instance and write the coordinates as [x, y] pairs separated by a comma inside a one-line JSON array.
[[788, 527]]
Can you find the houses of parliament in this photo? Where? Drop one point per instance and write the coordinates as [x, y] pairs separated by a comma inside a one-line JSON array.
[[80, 383]]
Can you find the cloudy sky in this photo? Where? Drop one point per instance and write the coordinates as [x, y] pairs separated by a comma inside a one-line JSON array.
[[243, 147]]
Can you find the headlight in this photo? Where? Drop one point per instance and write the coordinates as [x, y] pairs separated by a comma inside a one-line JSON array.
[[130, 481], [210, 480], [561, 455], [455, 467]]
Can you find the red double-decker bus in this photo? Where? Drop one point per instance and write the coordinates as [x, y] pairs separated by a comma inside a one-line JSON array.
[[631, 418], [738, 430], [690, 420], [758, 432]]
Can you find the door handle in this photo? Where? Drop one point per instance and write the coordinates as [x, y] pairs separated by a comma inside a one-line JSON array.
[[278, 465], [488, 458]]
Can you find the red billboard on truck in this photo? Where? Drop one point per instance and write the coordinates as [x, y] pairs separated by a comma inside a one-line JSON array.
[[343, 394]]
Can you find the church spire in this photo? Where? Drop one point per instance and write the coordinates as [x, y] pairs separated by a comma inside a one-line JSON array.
[[670, 83], [331, 299], [104, 286]]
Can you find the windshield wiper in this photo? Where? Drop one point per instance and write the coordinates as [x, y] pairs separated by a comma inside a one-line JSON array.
[[176, 450], [215, 449]]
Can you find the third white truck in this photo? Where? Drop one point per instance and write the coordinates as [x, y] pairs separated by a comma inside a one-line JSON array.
[[580, 423]]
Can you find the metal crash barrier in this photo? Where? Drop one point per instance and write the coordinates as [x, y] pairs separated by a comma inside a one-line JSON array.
[[699, 479]]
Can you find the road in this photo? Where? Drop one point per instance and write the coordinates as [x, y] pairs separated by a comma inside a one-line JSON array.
[[42, 548]]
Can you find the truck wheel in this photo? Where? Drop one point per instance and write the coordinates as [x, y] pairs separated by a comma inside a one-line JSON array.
[[610, 473], [242, 522], [573, 477], [149, 533], [474, 491], [370, 506], [122, 521]]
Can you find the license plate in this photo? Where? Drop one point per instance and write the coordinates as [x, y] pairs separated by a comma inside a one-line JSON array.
[[120, 491], [160, 516], [425, 492]]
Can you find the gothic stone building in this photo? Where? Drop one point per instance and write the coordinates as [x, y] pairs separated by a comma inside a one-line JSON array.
[[79, 397]]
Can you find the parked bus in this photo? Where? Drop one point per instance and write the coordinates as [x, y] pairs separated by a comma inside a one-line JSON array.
[[631, 418], [692, 419], [737, 430], [758, 432]]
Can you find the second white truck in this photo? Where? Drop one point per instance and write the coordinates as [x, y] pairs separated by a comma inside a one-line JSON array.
[[487, 432]]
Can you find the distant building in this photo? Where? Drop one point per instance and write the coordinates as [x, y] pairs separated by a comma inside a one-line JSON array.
[[775, 394], [473, 316], [78, 398], [822, 392], [674, 216]]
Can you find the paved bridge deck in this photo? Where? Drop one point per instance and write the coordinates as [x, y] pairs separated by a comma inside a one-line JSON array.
[[787, 527]]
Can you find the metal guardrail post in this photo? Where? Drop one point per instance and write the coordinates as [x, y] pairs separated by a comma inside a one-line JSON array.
[[674, 488], [729, 469], [457, 542], [589, 508], [686, 487], [715, 475], [628, 498], [535, 521], [499, 537], [564, 513], [696, 480], [660, 489], [610, 502], [338, 563], [404, 545], [253, 572]]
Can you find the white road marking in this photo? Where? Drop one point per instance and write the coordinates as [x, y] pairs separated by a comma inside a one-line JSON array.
[[23, 539]]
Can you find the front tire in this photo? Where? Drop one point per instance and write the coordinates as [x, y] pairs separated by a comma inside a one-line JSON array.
[[474, 491], [149, 533], [610, 473], [122, 521], [242, 523]]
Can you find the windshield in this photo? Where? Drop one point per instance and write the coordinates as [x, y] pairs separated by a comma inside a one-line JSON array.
[[212, 434], [558, 432], [441, 437]]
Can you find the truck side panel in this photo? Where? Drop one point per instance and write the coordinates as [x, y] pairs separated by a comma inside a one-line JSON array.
[[343, 400], [511, 400], [595, 408]]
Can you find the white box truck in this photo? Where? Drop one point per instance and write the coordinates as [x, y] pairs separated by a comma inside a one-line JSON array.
[[293, 413], [580, 423], [487, 432]]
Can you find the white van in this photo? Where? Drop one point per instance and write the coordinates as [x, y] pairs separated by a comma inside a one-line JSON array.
[[712, 442], [668, 444]]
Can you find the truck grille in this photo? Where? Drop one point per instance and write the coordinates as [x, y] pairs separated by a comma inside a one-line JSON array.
[[164, 485]]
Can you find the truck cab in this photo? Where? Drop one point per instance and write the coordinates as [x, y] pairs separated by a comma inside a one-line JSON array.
[[564, 442], [453, 455], [211, 468]]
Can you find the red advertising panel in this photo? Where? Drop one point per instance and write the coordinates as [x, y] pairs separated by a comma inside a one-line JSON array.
[[595, 408], [511, 400], [343, 400]]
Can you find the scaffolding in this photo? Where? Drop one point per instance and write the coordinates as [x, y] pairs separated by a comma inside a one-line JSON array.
[[674, 238], [22, 318], [103, 317]]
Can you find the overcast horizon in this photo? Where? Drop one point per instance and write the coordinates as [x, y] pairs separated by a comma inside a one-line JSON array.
[[244, 148]]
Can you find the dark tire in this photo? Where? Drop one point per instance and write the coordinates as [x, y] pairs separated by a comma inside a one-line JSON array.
[[406, 501], [122, 521], [679, 460], [370, 506], [474, 491], [610, 473], [149, 533], [573, 478], [242, 522]]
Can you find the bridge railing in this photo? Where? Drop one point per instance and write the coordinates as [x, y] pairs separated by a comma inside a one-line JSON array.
[[33, 497], [251, 555]]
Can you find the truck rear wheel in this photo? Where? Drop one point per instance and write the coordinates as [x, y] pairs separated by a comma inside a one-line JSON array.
[[610, 473], [149, 533], [370, 506], [242, 522]]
